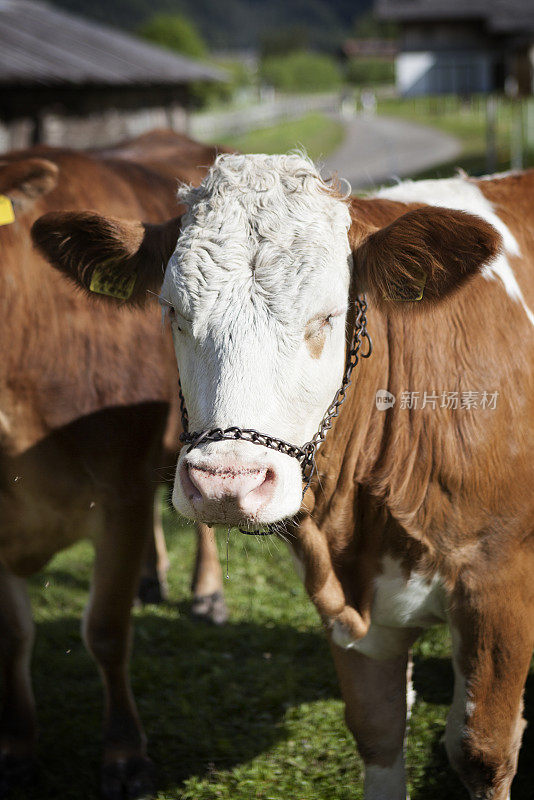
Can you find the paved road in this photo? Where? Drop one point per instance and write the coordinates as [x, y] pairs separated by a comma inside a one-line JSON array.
[[377, 150]]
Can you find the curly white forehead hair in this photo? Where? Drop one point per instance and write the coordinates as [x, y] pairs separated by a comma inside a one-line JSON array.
[[287, 182], [268, 216]]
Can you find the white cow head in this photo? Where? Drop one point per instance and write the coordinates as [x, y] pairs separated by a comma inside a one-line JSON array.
[[256, 292]]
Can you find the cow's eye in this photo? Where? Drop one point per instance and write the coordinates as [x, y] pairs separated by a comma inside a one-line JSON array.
[[316, 328], [175, 319], [169, 312]]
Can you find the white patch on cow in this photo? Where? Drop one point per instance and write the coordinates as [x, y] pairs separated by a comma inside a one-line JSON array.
[[263, 251], [386, 783], [497, 176], [407, 602], [400, 604], [411, 694], [5, 424], [463, 195], [470, 706], [411, 697]]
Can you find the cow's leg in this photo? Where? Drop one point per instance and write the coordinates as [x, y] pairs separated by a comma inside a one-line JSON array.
[[375, 711], [107, 634], [18, 729], [492, 646], [208, 597], [153, 584]]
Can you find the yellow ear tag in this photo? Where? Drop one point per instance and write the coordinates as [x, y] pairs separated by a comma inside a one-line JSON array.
[[7, 215], [105, 281], [410, 294]]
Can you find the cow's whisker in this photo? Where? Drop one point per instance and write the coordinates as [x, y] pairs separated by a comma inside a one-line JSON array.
[[227, 552]]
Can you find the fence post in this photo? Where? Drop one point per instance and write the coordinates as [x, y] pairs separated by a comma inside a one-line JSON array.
[[491, 133], [516, 135], [529, 124]]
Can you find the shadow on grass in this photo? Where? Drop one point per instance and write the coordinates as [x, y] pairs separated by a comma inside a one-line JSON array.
[[63, 578], [209, 698], [433, 680]]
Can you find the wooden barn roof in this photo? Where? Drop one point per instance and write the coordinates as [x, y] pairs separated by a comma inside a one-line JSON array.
[[40, 44], [499, 16]]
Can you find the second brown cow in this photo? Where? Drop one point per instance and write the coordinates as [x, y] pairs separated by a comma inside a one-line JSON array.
[[85, 436]]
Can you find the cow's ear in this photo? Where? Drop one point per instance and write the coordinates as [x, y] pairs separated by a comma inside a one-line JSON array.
[[117, 258], [424, 255], [22, 182]]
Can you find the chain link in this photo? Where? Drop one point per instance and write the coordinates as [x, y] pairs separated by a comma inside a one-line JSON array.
[[305, 454]]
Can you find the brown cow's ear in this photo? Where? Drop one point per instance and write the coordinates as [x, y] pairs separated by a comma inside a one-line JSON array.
[[117, 258], [25, 180], [424, 255]]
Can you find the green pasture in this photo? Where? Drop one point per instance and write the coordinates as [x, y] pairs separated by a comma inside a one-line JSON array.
[[318, 133], [251, 710], [466, 119]]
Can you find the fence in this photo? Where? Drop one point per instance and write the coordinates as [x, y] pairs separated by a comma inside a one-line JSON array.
[[209, 125]]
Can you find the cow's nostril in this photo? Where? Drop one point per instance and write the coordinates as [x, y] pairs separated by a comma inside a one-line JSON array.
[[245, 487], [192, 491]]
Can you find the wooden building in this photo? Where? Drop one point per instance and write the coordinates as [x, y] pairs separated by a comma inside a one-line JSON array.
[[463, 46], [65, 80]]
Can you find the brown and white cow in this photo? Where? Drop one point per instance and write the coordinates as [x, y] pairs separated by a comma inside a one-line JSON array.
[[421, 512], [85, 438]]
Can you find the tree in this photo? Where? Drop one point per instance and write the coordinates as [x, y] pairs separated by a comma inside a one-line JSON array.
[[370, 71], [175, 32], [281, 42], [367, 26], [301, 72]]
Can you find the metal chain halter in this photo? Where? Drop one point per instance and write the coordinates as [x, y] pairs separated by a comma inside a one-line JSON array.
[[305, 455]]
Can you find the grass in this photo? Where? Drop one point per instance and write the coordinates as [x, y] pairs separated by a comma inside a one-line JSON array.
[[251, 710], [467, 121], [319, 134]]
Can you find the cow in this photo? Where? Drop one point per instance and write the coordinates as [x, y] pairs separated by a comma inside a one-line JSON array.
[[417, 513], [167, 152], [87, 433]]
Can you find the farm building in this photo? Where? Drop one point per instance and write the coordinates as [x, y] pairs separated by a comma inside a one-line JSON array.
[[66, 80], [463, 46]]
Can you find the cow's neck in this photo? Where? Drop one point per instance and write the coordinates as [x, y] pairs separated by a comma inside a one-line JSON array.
[[351, 455], [353, 524]]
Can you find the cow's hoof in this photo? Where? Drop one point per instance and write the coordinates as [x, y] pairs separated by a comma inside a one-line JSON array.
[[210, 608], [16, 773], [151, 591], [128, 779]]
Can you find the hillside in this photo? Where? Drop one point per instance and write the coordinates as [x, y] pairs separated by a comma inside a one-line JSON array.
[[234, 24]]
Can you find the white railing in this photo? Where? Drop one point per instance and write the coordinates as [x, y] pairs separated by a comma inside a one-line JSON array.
[[208, 125]]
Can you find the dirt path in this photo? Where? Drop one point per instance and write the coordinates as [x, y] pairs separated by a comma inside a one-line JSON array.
[[377, 150]]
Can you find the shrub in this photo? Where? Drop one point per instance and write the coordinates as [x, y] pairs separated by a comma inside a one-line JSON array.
[[301, 72], [370, 71], [174, 32]]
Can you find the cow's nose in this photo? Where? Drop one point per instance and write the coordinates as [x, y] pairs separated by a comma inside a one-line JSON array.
[[243, 490]]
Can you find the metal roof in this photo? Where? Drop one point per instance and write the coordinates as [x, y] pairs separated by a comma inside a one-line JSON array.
[[40, 44], [498, 15]]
